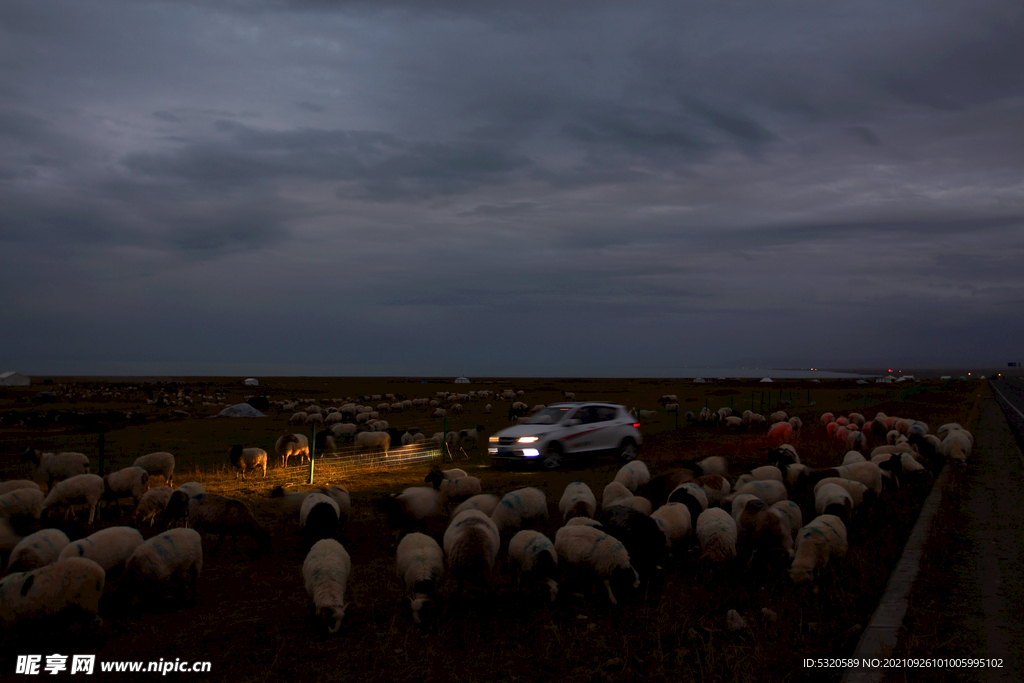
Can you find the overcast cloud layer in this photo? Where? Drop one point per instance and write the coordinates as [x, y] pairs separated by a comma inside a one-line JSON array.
[[272, 187]]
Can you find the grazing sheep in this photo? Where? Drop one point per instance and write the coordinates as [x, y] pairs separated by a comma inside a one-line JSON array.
[[613, 492], [867, 473], [641, 535], [791, 515], [340, 495], [852, 457], [858, 492], [593, 551], [411, 509], [54, 467], [737, 504], [716, 533], [292, 445], [325, 573], [769, 491], [816, 545], [485, 503], [957, 445], [15, 484], [907, 461], [692, 496], [459, 489], [298, 418], [780, 433], [176, 510], [161, 565], [715, 486], [37, 550], [82, 489], [9, 538], [763, 536], [318, 518], [471, 544], [674, 521], [531, 553], [577, 501], [520, 507], [659, 488], [468, 438], [74, 584], [152, 505], [373, 441], [633, 475], [420, 563], [345, 431], [213, 514], [248, 460], [109, 548], [584, 521], [833, 499], [715, 464], [21, 503], [767, 473], [638, 503], [161, 463], [826, 418], [130, 482]]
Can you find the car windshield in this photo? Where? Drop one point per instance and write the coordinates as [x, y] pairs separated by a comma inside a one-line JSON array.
[[549, 416]]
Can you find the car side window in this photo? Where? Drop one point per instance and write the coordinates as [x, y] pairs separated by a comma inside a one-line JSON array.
[[584, 415], [603, 413]]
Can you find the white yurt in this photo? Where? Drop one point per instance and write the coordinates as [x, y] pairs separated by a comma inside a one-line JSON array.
[[462, 380], [14, 379], [767, 379]]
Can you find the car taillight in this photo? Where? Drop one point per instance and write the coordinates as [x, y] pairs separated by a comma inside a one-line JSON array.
[[636, 425]]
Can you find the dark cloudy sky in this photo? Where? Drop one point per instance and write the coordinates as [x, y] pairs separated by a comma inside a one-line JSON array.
[[517, 187]]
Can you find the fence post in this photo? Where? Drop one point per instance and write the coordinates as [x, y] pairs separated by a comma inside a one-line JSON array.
[[101, 438], [312, 451]]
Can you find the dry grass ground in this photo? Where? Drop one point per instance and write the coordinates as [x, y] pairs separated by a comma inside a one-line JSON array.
[[252, 616]]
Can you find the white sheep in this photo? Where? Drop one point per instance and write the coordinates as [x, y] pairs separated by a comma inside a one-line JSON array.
[[593, 551], [852, 457], [420, 563], [76, 583], [769, 491], [716, 488], [152, 505], [37, 550], [716, 532], [15, 484], [519, 507], [767, 473], [674, 521], [459, 489], [577, 501], [81, 489], [584, 521], [373, 440], [21, 503], [715, 464], [411, 509], [248, 460], [867, 473], [485, 503], [161, 463], [816, 545], [791, 514], [292, 445], [164, 563], [613, 491], [471, 544], [9, 538], [957, 445], [833, 499], [54, 467], [692, 496], [633, 475], [325, 573], [109, 548], [636, 502], [437, 475], [531, 553], [130, 482]]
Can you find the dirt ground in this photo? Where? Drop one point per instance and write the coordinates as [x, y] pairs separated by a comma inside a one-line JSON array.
[[252, 617]]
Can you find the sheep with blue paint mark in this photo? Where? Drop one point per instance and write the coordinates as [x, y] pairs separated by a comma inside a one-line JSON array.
[[420, 564], [817, 545], [716, 533], [459, 489], [109, 548], [577, 501], [37, 550], [471, 544], [166, 564], [633, 475], [72, 586], [22, 503], [593, 552], [82, 489], [520, 507], [532, 554]]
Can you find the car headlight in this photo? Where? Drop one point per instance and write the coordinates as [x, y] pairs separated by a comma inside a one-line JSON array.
[[527, 439], [493, 439]]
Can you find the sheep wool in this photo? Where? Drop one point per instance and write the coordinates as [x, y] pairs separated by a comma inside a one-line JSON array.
[[638, 503], [164, 562], [485, 503], [248, 460], [161, 463], [15, 484], [471, 544], [213, 514], [833, 499], [82, 489], [791, 514], [130, 482], [519, 507], [325, 573], [292, 445], [436, 476], [37, 550], [674, 521], [54, 467], [716, 533], [769, 491], [816, 545], [109, 548], [592, 550], [420, 563], [533, 554], [21, 503], [176, 510], [858, 491], [152, 505], [633, 475], [459, 489], [47, 591], [577, 501], [715, 464]]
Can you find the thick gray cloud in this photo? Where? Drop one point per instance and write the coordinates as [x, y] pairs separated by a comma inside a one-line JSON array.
[[509, 188]]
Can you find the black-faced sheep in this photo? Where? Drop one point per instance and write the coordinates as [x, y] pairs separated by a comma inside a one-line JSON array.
[[532, 554], [641, 535], [318, 518], [437, 475], [176, 511], [248, 460], [213, 514]]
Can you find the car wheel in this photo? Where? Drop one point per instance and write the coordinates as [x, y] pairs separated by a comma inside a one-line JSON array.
[[627, 450], [553, 458]]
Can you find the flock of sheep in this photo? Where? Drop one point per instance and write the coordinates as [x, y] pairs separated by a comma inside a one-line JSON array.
[[643, 522]]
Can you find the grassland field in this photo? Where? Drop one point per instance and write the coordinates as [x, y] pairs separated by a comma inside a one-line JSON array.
[[252, 618]]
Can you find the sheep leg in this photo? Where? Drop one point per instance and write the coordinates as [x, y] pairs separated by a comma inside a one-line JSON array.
[[216, 546], [92, 511], [611, 596]]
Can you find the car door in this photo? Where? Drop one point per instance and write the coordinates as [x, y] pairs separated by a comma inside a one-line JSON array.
[[580, 437], [605, 432]]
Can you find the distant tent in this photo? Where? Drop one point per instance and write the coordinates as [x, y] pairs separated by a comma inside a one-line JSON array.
[[883, 380], [14, 379], [251, 382], [861, 381], [700, 380], [767, 379], [240, 410], [946, 377], [462, 380]]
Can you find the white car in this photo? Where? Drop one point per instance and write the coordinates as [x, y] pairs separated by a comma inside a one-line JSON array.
[[564, 430]]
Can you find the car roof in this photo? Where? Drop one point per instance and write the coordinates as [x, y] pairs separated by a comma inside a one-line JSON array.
[[585, 403]]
